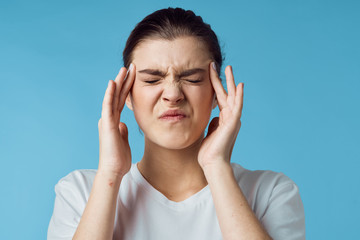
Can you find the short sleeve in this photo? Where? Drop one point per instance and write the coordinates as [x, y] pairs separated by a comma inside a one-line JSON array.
[[72, 193], [284, 216]]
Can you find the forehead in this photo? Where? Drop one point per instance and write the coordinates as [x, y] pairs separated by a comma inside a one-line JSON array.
[[180, 53]]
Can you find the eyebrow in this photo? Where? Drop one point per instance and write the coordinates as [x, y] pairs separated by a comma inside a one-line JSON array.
[[185, 73]]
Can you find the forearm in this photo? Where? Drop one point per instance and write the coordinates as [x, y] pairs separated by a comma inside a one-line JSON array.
[[97, 221], [236, 219]]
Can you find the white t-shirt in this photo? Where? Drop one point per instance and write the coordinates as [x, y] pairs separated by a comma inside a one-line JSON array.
[[145, 213]]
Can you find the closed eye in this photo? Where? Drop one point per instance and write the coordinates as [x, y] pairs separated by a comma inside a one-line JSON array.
[[193, 81], [152, 81], [155, 81]]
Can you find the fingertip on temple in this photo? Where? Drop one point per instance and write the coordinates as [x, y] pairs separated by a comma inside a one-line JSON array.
[[213, 65]]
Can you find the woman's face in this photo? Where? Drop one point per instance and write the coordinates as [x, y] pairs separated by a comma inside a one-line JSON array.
[[172, 96]]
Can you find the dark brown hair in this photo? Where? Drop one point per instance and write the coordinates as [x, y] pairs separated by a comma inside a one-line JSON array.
[[169, 24]]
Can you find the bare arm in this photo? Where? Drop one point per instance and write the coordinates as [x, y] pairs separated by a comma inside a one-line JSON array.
[[97, 221], [236, 219]]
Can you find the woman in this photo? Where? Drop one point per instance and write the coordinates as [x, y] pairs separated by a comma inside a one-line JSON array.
[[185, 186]]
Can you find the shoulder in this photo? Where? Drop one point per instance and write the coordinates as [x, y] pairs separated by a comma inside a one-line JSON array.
[[260, 178], [261, 187], [77, 183], [78, 177], [72, 192], [275, 200]]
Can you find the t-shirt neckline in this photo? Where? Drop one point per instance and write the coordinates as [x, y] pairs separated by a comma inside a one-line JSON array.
[[200, 196]]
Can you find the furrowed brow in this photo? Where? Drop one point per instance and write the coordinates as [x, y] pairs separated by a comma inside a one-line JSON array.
[[185, 73], [190, 72], [153, 72]]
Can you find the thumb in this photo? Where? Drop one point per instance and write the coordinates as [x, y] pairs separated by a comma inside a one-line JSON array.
[[123, 130], [213, 125]]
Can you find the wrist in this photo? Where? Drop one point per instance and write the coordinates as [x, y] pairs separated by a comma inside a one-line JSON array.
[[114, 171], [217, 169], [112, 178]]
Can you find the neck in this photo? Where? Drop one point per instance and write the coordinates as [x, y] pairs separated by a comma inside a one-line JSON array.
[[176, 173]]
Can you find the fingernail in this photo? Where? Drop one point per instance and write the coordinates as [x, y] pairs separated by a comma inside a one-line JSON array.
[[127, 73], [213, 66]]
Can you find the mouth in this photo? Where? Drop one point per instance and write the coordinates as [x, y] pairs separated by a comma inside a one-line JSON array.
[[173, 115]]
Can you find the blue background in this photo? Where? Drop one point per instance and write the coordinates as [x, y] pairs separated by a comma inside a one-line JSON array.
[[299, 60]]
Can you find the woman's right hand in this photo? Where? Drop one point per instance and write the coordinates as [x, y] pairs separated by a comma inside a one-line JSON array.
[[114, 152]]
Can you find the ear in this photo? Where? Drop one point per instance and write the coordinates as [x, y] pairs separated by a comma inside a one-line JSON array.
[[215, 103], [129, 102]]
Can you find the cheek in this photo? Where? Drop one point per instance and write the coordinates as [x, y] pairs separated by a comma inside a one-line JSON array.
[[201, 102], [201, 96], [144, 98]]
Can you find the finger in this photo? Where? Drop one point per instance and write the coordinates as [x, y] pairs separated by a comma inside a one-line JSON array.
[[230, 82], [239, 99], [129, 81], [221, 94], [119, 82], [123, 130], [127, 73], [108, 100]]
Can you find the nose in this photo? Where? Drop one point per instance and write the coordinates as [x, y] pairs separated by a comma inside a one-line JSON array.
[[172, 93]]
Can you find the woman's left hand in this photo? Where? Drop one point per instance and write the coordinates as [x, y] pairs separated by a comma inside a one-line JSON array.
[[217, 146]]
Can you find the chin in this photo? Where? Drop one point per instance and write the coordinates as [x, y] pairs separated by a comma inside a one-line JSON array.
[[177, 142]]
